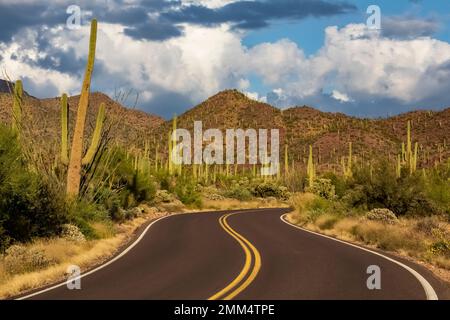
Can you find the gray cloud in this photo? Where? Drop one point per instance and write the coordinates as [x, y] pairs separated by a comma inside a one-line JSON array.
[[153, 30], [13, 18], [166, 15], [408, 27], [257, 14]]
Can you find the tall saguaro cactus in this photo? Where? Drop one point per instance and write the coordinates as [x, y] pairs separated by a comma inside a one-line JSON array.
[[64, 130], [347, 168], [17, 106], [75, 162], [310, 169]]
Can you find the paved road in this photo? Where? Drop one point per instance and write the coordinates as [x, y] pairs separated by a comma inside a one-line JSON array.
[[249, 254]]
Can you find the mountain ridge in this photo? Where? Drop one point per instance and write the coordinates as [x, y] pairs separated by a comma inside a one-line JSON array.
[[299, 126]]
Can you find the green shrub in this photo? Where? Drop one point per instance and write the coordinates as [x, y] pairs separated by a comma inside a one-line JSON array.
[[404, 196], [441, 248], [186, 191], [269, 189], [239, 193], [29, 205], [323, 188], [339, 183]]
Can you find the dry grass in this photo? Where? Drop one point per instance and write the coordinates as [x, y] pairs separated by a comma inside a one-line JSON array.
[[233, 204], [414, 238], [65, 253]]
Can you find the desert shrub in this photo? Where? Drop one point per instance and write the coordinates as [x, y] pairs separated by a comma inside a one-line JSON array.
[[295, 181], [267, 189], [125, 183], [20, 259], [387, 237], [186, 190], [323, 188], [441, 247], [404, 196], [437, 187], [239, 193], [427, 225], [339, 183], [164, 196], [72, 233], [382, 215], [210, 192], [327, 222], [82, 212], [29, 205], [309, 207]]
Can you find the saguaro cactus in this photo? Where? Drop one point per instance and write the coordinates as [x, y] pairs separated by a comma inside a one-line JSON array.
[[311, 170], [347, 168], [95, 143], [64, 130], [286, 160], [17, 106], [75, 162]]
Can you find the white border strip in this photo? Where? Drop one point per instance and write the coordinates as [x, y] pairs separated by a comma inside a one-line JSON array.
[[429, 291], [124, 252]]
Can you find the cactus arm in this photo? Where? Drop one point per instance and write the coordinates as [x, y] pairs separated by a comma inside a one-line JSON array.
[[95, 143], [74, 170]]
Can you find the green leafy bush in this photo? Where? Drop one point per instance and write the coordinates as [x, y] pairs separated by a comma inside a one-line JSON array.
[[239, 193], [382, 189], [269, 189], [29, 206], [323, 188], [186, 191]]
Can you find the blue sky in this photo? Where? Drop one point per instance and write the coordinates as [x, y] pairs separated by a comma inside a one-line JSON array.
[[177, 53], [309, 33]]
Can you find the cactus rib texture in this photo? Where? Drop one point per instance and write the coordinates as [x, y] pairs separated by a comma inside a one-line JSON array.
[[74, 170]]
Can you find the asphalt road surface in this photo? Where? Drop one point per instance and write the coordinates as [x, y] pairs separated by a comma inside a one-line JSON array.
[[250, 254]]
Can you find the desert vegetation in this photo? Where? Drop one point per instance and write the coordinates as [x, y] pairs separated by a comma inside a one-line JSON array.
[[63, 190]]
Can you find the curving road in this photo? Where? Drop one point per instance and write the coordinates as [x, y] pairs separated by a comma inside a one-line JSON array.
[[251, 254]]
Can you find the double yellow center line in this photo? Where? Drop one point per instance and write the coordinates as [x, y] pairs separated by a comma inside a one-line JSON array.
[[251, 266]]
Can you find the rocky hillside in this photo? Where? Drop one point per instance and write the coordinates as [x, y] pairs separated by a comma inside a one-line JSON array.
[[128, 126], [328, 133]]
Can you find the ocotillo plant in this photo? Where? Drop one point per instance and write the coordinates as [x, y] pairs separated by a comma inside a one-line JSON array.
[[17, 107], [75, 161]]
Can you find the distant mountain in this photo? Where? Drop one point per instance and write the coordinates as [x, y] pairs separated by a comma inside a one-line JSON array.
[[8, 86], [328, 133], [131, 126]]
